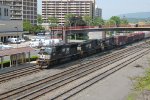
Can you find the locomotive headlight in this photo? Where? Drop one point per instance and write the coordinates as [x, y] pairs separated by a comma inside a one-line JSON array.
[[47, 56], [79, 48], [44, 56]]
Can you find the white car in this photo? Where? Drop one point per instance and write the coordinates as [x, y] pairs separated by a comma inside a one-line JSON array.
[[50, 42], [4, 47], [22, 40], [14, 40], [35, 44]]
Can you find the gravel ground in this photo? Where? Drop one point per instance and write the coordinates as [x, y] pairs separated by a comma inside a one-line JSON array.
[[116, 86]]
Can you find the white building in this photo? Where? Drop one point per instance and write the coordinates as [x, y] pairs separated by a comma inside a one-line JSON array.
[[59, 8], [9, 28]]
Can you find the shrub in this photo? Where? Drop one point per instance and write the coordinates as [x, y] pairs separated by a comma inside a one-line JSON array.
[[7, 63]]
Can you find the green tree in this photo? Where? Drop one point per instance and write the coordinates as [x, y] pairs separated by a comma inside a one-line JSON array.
[[116, 19], [98, 21], [124, 22], [39, 19], [77, 21], [27, 26], [74, 20], [68, 19], [87, 19], [36, 29], [53, 21]]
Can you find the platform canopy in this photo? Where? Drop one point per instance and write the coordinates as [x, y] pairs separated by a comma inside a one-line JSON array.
[[13, 51]]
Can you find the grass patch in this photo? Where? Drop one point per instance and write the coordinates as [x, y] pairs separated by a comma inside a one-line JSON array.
[[143, 82], [132, 96], [140, 84]]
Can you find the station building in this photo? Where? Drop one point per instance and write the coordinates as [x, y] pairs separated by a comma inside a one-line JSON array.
[[9, 28]]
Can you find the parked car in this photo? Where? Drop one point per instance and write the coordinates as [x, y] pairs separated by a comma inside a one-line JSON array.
[[14, 40], [35, 44], [4, 47], [40, 33], [22, 40]]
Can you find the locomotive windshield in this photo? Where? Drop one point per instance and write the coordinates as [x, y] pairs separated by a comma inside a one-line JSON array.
[[46, 51]]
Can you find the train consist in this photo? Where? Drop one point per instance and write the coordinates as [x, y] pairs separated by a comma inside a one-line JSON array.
[[49, 56]]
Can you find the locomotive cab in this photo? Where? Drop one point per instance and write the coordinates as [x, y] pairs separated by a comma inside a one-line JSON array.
[[45, 55]]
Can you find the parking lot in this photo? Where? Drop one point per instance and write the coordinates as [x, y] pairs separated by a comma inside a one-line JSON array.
[[22, 44]]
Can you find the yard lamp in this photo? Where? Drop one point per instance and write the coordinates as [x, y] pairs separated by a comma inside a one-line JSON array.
[[17, 35]]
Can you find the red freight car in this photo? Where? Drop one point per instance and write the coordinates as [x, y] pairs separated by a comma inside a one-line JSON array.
[[120, 40], [129, 38]]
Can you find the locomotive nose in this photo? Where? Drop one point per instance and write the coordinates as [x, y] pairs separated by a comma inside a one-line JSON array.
[[42, 63]]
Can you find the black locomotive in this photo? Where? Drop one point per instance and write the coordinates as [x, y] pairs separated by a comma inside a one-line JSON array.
[[49, 56]]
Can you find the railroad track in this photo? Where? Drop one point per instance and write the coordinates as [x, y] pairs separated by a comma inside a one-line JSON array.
[[18, 73], [85, 84], [5, 77], [41, 87]]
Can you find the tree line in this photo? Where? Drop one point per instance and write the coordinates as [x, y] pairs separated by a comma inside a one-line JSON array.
[[73, 20]]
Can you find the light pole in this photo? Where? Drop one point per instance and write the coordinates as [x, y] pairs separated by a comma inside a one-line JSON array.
[[107, 21], [75, 24], [69, 30], [57, 31], [75, 29], [1, 39], [90, 23], [17, 34]]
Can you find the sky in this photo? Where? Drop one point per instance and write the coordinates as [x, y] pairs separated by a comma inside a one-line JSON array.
[[117, 7]]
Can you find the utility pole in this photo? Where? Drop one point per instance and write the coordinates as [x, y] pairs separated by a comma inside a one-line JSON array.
[[17, 35]]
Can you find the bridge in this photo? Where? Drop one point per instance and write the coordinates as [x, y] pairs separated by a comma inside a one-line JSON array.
[[86, 29], [109, 29], [103, 28]]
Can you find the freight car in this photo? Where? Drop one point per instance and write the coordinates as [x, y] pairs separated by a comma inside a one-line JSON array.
[[57, 54]]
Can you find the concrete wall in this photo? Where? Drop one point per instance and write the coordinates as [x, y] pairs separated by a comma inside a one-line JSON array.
[[2, 15], [9, 25], [95, 35], [4, 36]]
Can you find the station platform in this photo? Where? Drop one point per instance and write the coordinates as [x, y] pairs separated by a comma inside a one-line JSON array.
[[10, 69]]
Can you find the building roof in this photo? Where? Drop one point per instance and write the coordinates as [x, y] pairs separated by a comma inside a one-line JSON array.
[[9, 52]]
